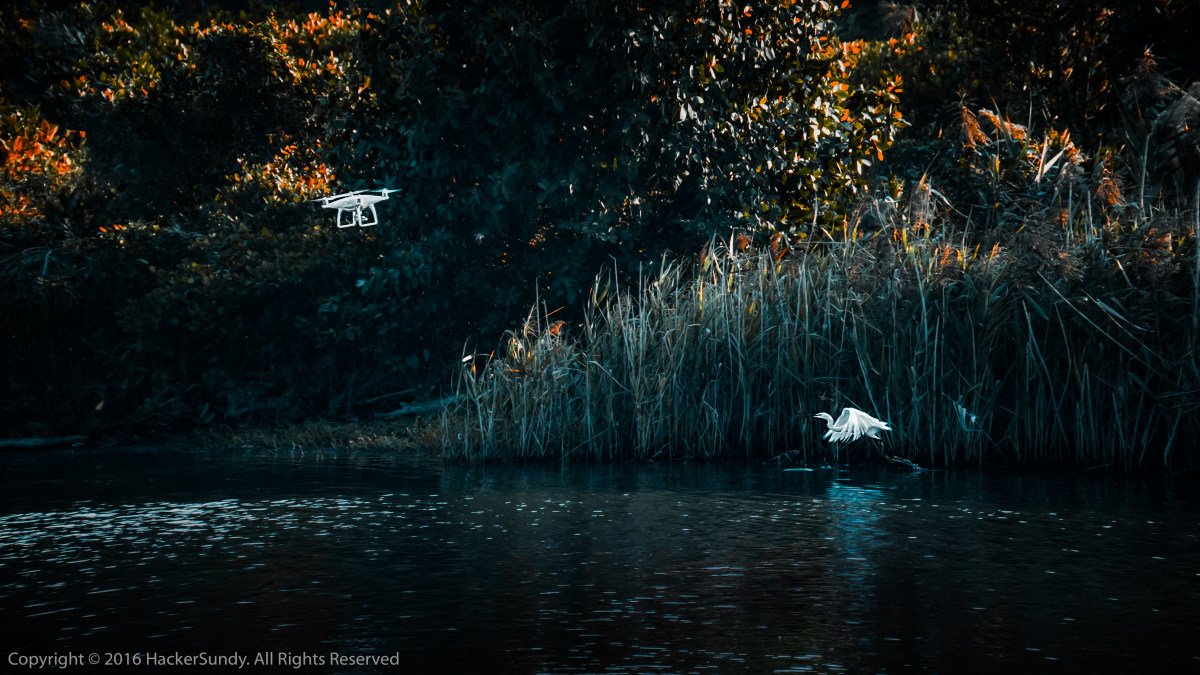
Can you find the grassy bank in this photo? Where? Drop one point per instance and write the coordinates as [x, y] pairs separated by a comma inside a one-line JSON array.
[[410, 434], [1064, 341]]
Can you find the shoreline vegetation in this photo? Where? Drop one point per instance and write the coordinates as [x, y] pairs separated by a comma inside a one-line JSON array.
[[975, 219], [410, 435], [973, 354]]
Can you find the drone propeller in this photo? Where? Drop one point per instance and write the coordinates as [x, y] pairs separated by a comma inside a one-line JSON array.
[[338, 196]]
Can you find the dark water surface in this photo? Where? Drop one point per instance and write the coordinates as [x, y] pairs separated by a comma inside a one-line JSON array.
[[610, 569]]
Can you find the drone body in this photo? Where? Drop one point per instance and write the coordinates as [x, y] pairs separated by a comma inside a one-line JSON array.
[[356, 204]]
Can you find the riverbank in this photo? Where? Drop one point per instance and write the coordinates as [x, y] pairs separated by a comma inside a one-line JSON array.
[[411, 434], [989, 242], [1039, 349]]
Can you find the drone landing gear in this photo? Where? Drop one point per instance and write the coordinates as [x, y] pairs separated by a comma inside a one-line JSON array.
[[356, 216]]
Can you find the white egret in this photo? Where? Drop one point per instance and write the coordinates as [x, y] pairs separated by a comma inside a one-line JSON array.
[[852, 424]]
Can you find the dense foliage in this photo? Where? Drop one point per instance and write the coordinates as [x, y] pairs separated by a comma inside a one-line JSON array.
[[532, 143], [164, 269]]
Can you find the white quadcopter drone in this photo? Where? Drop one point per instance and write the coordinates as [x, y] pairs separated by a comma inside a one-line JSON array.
[[356, 203]]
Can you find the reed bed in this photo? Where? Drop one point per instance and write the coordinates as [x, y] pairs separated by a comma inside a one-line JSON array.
[[1066, 343]]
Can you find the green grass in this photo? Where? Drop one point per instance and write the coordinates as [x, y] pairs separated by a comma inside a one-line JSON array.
[[409, 434], [1069, 342]]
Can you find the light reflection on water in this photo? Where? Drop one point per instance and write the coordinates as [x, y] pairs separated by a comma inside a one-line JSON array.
[[628, 569]]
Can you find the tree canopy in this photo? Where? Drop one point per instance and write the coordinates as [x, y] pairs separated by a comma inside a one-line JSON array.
[[164, 267]]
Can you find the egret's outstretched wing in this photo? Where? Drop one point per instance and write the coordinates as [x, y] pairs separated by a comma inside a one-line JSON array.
[[867, 425], [853, 424], [844, 418], [837, 429]]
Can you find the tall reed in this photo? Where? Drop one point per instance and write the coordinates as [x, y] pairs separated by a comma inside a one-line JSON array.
[[1078, 351]]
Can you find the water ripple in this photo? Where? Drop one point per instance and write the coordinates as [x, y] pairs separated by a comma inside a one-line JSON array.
[[595, 569]]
